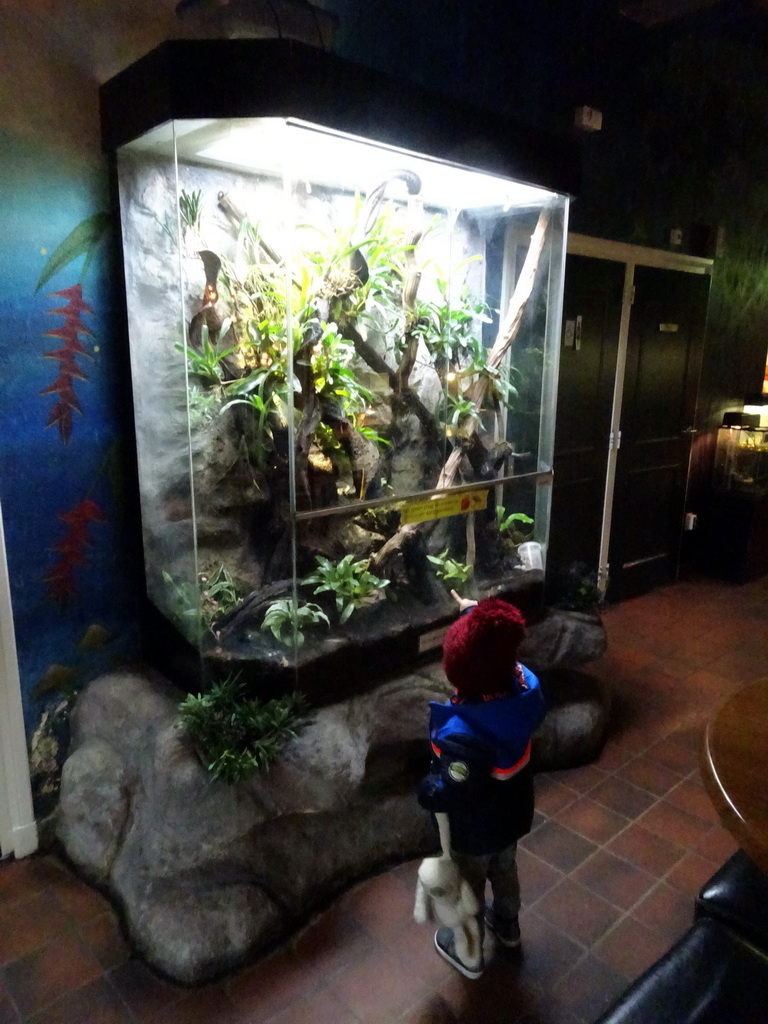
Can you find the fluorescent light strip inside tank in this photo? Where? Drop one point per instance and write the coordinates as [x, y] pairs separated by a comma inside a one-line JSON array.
[[319, 157]]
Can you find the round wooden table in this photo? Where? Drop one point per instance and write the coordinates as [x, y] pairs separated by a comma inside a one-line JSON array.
[[734, 767]]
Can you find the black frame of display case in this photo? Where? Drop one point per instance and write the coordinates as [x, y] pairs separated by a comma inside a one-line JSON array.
[[233, 78]]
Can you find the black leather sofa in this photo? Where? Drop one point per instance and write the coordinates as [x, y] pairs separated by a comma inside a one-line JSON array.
[[737, 895], [710, 976]]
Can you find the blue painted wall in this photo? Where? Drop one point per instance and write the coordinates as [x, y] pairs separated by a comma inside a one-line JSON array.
[[62, 461]]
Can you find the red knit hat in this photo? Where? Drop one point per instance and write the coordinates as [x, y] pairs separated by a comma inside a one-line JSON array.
[[480, 648]]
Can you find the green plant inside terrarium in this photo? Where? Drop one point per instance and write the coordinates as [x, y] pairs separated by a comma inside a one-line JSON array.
[[349, 581]]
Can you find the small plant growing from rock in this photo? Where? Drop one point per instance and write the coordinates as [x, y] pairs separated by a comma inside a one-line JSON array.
[[453, 573], [236, 735], [350, 582], [510, 525], [286, 619], [219, 592]]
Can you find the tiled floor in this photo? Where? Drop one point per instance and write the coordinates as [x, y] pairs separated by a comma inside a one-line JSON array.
[[609, 874]]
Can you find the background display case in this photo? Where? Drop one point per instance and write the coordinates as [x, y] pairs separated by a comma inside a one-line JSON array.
[[737, 531], [741, 460], [344, 360]]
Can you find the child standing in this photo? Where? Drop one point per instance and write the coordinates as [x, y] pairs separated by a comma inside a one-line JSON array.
[[481, 776]]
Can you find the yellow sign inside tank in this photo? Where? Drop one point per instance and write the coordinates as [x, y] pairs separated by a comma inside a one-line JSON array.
[[440, 508]]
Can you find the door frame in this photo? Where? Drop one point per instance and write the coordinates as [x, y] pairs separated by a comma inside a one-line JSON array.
[[631, 256], [18, 829]]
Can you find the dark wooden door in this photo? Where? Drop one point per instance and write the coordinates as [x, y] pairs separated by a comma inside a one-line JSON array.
[[589, 342], [664, 352]]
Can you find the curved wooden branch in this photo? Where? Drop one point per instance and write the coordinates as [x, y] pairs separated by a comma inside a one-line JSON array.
[[507, 333], [508, 330]]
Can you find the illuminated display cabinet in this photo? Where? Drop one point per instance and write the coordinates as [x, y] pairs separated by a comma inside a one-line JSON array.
[[737, 522], [344, 318]]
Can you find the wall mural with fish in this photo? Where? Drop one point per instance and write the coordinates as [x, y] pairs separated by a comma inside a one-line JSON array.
[[62, 422]]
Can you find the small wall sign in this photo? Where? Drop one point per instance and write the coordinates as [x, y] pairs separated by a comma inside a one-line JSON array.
[[442, 507], [668, 328]]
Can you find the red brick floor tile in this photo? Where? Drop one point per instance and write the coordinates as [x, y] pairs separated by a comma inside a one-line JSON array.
[[558, 846], [29, 924], [272, 984], [551, 796], [690, 874], [740, 665], [105, 939], [332, 941], [8, 1011], [716, 845], [380, 904], [665, 910], [577, 912], [50, 972], [501, 996], [321, 1006], [645, 850], [379, 987], [675, 753], [414, 946], [691, 796], [614, 879], [536, 876], [142, 991], [208, 1005], [592, 820], [546, 952], [622, 797], [631, 658], [79, 901], [589, 988], [614, 755], [581, 779], [674, 824], [432, 1010], [407, 873], [630, 948], [20, 879], [646, 773], [94, 1003]]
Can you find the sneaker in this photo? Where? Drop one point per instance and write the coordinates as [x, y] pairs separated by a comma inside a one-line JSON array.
[[445, 947], [507, 931]]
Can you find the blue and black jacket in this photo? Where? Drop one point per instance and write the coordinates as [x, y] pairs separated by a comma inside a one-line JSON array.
[[481, 775]]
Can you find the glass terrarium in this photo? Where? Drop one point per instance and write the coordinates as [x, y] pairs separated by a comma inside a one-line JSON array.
[[741, 460], [344, 360]]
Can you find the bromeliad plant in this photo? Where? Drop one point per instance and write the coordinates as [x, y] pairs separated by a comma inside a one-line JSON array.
[[207, 362], [350, 582], [509, 525], [197, 605], [237, 735], [286, 619], [453, 573], [219, 594]]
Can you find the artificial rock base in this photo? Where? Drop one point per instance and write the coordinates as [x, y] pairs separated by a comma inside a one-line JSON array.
[[206, 873], [209, 874]]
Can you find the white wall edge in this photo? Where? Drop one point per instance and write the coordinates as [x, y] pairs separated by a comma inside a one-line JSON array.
[[642, 256], [18, 829]]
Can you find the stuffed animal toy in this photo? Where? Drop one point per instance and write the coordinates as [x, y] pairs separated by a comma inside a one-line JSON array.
[[443, 896]]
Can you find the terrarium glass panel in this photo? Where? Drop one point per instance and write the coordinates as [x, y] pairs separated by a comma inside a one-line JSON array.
[[325, 333]]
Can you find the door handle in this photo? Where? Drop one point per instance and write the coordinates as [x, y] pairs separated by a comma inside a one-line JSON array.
[[690, 431]]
